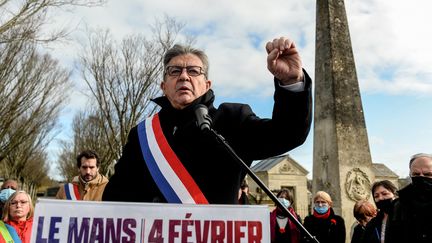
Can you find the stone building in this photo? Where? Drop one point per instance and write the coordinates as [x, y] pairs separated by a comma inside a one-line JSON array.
[[281, 172], [382, 172]]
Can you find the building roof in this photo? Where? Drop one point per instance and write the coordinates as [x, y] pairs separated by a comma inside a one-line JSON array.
[[381, 170], [267, 164]]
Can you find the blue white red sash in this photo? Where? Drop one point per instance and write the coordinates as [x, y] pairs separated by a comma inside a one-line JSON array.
[[71, 191], [172, 178]]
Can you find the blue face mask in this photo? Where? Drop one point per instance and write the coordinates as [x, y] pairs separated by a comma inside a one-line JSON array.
[[5, 194], [321, 209], [284, 202]]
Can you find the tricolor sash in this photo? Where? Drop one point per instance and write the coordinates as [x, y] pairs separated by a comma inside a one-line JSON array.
[[72, 191], [172, 178]]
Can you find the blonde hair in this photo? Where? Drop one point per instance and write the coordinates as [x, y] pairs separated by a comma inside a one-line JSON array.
[[325, 196], [6, 215]]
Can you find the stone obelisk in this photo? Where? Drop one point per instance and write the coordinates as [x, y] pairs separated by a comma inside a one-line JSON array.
[[342, 164]]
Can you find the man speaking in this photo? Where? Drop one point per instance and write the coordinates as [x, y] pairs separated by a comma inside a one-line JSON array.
[[168, 158]]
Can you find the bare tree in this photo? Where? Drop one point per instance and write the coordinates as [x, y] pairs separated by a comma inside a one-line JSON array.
[[66, 161], [32, 87], [25, 20], [123, 77], [29, 165], [32, 93], [88, 134]]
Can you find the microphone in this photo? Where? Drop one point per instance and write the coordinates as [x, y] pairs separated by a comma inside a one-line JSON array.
[[204, 121]]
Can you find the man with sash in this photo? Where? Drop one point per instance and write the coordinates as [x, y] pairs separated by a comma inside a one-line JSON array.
[[89, 184], [169, 159]]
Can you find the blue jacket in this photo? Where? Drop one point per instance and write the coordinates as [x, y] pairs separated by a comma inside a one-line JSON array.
[[5, 228]]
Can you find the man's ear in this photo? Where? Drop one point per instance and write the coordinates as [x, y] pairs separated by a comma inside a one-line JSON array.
[[162, 86], [208, 84]]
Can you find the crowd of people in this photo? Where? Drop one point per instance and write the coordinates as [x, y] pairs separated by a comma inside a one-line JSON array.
[[394, 216], [162, 160]]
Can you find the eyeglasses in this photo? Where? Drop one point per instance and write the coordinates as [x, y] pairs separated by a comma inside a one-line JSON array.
[[176, 71], [15, 203]]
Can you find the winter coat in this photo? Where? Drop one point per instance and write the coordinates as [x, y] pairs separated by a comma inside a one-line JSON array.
[[326, 230], [90, 191], [213, 169], [411, 220], [23, 228], [372, 232], [289, 234], [357, 236]]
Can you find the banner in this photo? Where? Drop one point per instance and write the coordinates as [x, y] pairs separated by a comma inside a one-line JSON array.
[[87, 221]]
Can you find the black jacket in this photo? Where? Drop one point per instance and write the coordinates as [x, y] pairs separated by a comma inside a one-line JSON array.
[[213, 169], [411, 220], [357, 236], [372, 233], [329, 230]]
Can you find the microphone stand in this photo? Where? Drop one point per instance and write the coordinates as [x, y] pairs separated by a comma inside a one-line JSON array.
[[293, 218]]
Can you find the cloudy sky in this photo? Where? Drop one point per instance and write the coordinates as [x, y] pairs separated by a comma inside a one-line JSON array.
[[390, 42]]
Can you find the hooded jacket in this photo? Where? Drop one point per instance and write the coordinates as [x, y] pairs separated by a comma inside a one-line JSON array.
[[213, 169]]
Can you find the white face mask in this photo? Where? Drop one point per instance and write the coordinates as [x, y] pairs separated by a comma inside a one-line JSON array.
[[284, 202], [5, 194]]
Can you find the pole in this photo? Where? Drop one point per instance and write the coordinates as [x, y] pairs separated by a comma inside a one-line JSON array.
[[246, 168]]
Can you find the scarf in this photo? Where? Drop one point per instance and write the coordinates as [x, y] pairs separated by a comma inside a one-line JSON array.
[[321, 216]]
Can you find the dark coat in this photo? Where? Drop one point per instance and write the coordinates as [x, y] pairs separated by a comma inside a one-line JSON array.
[[329, 230], [412, 217], [216, 173], [357, 236], [372, 232]]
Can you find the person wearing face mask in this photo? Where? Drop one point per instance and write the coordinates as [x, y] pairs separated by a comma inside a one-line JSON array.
[[384, 192], [6, 190], [324, 223], [18, 213], [89, 184], [7, 232], [283, 230], [411, 220]]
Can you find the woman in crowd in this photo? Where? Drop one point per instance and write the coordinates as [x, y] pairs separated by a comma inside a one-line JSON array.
[[383, 192], [324, 224], [18, 212], [364, 211], [282, 229]]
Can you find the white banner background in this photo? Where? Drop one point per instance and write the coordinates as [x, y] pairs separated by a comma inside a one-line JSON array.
[[86, 221]]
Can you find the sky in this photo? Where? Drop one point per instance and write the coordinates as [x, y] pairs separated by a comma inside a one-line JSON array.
[[390, 43]]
